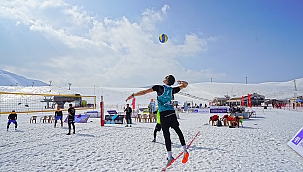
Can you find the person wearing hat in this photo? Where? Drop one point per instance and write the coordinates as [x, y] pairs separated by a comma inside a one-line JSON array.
[[58, 116], [12, 118], [167, 112]]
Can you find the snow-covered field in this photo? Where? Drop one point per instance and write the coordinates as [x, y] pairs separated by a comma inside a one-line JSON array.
[[261, 145]]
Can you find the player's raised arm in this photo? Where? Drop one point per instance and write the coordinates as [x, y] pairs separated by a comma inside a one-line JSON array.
[[183, 84], [140, 93]]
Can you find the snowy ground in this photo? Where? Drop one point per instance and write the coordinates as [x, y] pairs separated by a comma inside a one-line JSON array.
[[261, 145]]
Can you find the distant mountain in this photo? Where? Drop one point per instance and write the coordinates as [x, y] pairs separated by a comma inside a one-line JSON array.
[[10, 79]]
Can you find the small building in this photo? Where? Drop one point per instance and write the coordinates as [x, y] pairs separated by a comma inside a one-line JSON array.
[[62, 99], [256, 100], [220, 101], [235, 101]]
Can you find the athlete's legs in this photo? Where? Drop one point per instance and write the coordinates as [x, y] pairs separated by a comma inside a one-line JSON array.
[[8, 123], [73, 123], [155, 133], [165, 124], [69, 127], [180, 134], [175, 125], [128, 119], [166, 135]]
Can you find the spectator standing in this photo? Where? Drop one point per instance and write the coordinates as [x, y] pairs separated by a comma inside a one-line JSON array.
[[128, 118], [71, 119]]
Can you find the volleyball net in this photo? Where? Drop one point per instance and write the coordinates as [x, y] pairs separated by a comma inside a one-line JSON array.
[[31, 102]]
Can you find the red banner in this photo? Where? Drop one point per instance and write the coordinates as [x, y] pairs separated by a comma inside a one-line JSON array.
[[134, 103], [242, 102], [249, 100]]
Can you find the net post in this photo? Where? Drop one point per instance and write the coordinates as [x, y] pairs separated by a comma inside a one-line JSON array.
[[102, 112]]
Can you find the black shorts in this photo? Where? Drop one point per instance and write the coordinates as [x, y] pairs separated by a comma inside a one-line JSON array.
[[158, 127], [169, 119]]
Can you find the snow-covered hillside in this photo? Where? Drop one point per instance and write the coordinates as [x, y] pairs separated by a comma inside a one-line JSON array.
[[278, 90], [10, 79], [206, 91]]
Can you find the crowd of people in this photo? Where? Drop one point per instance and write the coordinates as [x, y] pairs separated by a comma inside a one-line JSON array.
[[12, 118], [228, 120]]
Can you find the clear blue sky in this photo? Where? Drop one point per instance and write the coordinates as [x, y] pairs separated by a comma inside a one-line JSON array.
[[115, 42]]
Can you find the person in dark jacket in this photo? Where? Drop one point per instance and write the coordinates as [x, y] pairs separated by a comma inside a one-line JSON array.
[[71, 118], [58, 116], [12, 118], [128, 118]]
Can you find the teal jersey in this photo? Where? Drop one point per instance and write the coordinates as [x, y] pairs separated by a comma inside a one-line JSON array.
[[164, 100]]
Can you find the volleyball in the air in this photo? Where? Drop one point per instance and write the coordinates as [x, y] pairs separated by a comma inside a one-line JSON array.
[[163, 38]]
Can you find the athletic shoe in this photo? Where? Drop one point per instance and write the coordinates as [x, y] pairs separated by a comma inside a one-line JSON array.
[[130, 125], [68, 134], [154, 140], [170, 161], [126, 125], [185, 157]]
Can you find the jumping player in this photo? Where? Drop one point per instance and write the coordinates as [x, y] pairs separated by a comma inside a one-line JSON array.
[[167, 112], [12, 118]]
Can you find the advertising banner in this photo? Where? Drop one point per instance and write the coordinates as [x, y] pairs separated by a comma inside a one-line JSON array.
[[79, 118], [113, 117], [206, 110], [296, 143], [219, 109]]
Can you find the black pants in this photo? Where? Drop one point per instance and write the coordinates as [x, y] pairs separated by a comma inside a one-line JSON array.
[[128, 119], [70, 124], [169, 119], [157, 128]]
